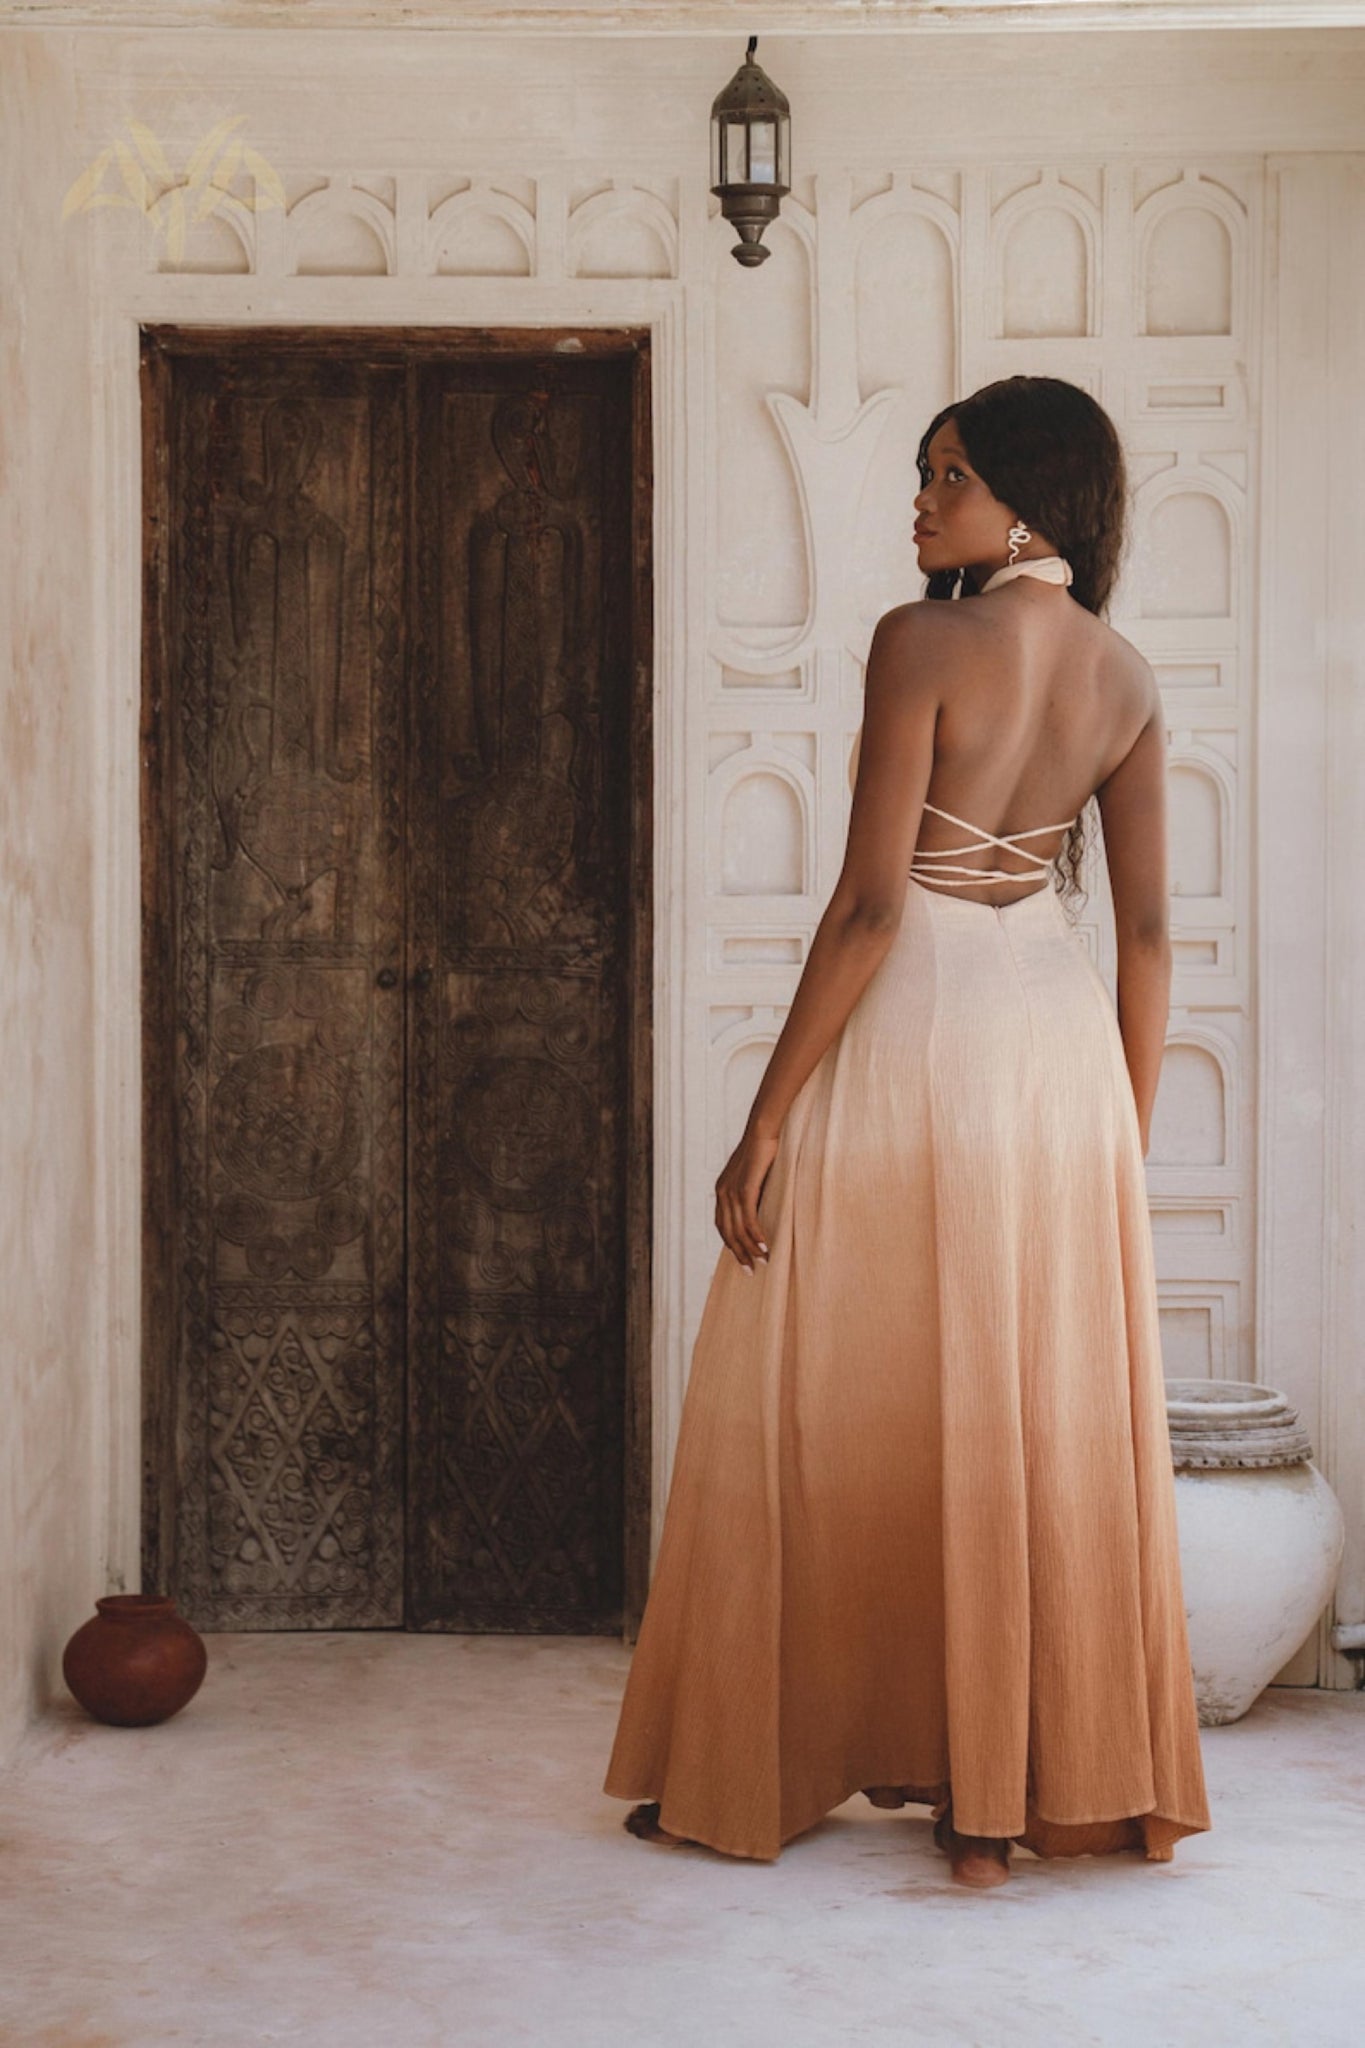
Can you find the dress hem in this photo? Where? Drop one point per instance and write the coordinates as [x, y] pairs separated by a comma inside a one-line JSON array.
[[1140, 1827]]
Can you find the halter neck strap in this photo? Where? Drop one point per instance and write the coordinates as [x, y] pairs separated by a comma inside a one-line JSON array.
[[1047, 568]]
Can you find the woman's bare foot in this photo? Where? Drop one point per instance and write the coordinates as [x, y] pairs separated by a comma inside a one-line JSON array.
[[643, 1820], [977, 1860]]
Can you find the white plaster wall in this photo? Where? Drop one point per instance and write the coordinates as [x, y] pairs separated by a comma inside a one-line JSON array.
[[1141, 213], [53, 1443]]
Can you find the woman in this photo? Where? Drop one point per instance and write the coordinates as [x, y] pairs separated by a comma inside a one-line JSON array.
[[921, 1534]]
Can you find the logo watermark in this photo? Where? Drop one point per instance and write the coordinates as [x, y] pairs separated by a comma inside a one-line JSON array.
[[175, 203]]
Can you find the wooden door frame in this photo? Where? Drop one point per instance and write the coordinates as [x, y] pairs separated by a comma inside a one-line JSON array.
[[158, 342]]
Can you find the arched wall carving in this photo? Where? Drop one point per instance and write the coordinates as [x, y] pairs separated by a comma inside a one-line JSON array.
[[1054, 230], [467, 216], [340, 232], [1216, 229], [625, 231]]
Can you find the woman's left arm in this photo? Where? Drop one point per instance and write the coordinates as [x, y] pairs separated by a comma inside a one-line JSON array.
[[902, 696]]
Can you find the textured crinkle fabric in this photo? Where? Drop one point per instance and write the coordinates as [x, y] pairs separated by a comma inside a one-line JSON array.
[[921, 1532]]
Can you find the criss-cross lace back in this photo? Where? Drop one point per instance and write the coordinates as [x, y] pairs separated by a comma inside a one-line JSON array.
[[937, 864]]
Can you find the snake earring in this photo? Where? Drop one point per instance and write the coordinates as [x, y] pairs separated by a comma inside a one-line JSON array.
[[1018, 535]]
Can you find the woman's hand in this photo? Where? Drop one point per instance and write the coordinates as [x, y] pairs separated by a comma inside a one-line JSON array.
[[738, 1191]]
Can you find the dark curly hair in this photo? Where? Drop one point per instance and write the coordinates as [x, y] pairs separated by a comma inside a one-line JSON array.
[[1049, 451]]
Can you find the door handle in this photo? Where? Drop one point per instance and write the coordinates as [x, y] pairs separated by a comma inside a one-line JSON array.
[[387, 977]]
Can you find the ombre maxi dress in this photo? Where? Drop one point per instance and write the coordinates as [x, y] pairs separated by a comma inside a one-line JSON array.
[[921, 1532]]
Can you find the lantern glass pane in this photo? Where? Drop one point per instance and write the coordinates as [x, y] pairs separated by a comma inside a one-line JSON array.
[[784, 153], [715, 152], [735, 153], [763, 152]]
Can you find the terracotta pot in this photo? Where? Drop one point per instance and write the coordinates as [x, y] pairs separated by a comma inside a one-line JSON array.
[[135, 1661]]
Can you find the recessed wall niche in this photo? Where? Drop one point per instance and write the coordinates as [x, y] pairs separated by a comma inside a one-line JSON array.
[[788, 679], [744, 1070], [1045, 280], [742, 1040], [1196, 830], [1187, 275], [1190, 1350], [624, 231], [1190, 1219], [1185, 557], [1192, 675], [1187, 400], [1201, 952], [755, 949], [339, 232], [482, 233], [222, 245], [762, 837], [1190, 1116]]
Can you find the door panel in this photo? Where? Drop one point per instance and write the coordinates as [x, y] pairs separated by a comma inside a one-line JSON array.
[[517, 1210], [286, 858]]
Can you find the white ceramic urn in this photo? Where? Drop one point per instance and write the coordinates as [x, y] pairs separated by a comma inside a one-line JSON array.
[[1261, 1536]]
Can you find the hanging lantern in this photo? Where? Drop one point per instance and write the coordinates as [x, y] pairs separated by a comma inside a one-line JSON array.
[[750, 154]]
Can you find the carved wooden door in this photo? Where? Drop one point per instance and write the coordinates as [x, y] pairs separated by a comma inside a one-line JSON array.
[[390, 1010]]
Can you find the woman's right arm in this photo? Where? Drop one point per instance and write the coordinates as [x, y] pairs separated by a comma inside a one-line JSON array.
[[1132, 802]]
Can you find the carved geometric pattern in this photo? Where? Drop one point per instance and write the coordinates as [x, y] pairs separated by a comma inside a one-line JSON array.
[[524, 1128], [522, 1431], [286, 1121], [290, 1485]]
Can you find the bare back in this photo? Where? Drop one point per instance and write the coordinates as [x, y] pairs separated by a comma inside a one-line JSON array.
[[1041, 706]]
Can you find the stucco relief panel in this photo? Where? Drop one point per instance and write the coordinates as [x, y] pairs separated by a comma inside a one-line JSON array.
[[1132, 281]]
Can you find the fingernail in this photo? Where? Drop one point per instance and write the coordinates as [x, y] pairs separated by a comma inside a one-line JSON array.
[[762, 1247], [746, 1269]]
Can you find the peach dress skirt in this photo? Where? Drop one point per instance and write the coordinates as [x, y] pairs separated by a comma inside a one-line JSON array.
[[921, 1532]]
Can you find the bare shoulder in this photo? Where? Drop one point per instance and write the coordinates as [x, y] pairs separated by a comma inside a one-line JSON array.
[[908, 648], [907, 623], [913, 634], [930, 628]]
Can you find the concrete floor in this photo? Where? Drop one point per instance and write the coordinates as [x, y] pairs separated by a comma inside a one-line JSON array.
[[348, 1841]]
